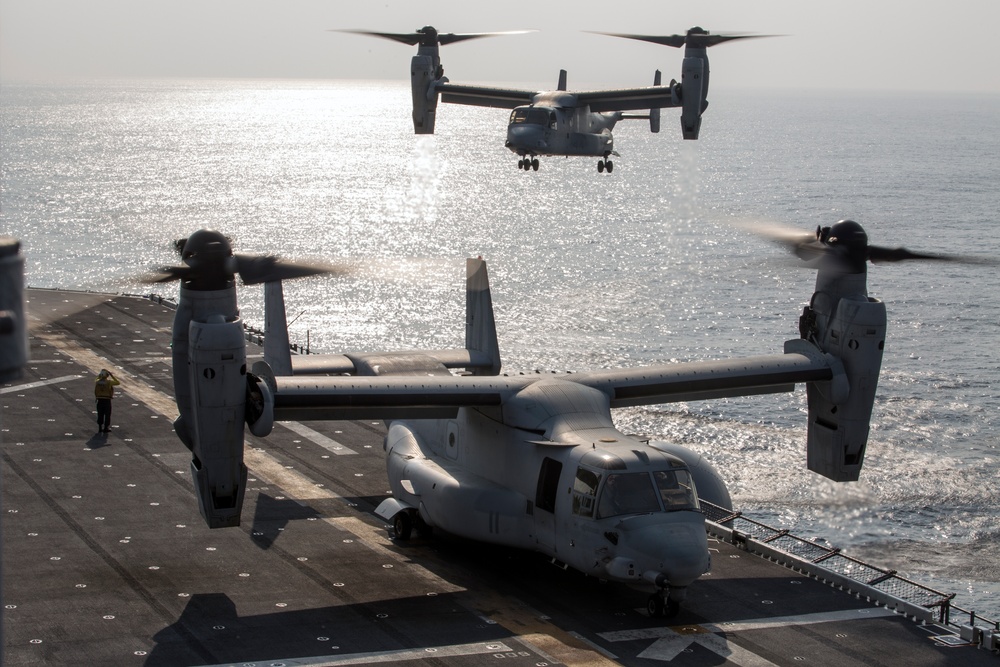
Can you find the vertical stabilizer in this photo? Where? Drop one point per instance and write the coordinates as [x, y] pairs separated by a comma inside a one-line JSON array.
[[480, 325], [562, 80], [277, 352]]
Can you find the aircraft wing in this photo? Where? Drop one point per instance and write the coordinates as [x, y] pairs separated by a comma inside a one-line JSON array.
[[389, 396], [485, 96], [699, 380], [628, 99]]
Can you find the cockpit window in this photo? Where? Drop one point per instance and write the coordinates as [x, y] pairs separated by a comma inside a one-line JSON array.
[[676, 489], [585, 491], [644, 492], [628, 493], [530, 116]]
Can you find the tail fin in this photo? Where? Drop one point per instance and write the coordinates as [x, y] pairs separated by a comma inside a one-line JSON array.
[[480, 325], [277, 352], [562, 80]]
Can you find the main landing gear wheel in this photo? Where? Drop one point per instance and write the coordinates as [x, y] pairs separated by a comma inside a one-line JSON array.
[[605, 164], [528, 164], [402, 526]]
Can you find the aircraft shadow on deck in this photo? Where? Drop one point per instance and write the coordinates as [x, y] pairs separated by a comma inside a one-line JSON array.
[[272, 515], [210, 630]]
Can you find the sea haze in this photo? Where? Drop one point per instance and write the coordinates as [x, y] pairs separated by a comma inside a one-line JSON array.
[[590, 270]]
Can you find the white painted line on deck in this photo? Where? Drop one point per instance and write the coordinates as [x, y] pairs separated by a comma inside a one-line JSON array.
[[753, 624], [383, 657], [802, 619], [41, 383], [318, 438]]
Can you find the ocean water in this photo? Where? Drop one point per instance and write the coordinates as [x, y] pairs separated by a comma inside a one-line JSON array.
[[589, 270]]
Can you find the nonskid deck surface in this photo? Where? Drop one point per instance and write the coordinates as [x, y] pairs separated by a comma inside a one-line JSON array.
[[106, 560]]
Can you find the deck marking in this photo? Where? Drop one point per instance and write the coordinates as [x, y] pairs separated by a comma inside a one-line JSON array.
[[318, 438], [671, 641], [382, 657], [41, 383]]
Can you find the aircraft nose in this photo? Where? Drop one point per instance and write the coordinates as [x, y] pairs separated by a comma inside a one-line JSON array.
[[674, 545], [531, 137]]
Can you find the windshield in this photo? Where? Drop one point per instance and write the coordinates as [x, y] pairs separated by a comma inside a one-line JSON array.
[[529, 115], [676, 489], [644, 492]]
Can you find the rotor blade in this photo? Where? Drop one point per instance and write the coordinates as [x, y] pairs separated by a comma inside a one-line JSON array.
[[878, 254], [166, 274], [255, 269], [804, 245], [786, 235], [675, 41], [451, 38], [713, 40], [411, 38]]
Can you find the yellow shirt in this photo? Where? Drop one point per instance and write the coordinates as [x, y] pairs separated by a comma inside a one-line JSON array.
[[105, 387]]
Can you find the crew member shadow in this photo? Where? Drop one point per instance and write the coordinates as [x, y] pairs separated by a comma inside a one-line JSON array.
[[98, 440]]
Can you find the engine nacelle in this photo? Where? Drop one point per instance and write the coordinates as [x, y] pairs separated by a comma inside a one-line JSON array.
[[217, 371], [853, 331], [423, 75], [693, 95]]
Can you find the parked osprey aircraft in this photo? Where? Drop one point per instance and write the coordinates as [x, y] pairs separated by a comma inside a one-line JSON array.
[[561, 122], [530, 461]]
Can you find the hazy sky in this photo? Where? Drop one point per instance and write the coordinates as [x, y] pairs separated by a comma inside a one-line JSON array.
[[919, 45]]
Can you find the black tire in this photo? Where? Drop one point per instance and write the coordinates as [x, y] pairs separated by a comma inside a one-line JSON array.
[[610, 166], [654, 606], [534, 164], [402, 526], [600, 166]]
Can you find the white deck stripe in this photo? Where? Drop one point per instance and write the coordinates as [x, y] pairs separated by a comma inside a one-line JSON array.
[[751, 624], [318, 438], [42, 383], [382, 657]]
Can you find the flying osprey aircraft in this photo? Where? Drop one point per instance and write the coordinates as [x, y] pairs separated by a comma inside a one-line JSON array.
[[561, 122], [531, 461]]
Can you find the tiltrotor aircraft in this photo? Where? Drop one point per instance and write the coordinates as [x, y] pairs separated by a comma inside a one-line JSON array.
[[561, 122], [530, 461]]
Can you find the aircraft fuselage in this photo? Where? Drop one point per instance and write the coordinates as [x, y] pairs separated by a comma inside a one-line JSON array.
[[548, 472], [552, 130]]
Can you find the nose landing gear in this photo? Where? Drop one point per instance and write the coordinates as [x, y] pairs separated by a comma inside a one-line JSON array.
[[605, 164], [527, 164], [661, 606]]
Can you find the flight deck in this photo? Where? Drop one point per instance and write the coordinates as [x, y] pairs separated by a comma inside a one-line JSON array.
[[107, 561]]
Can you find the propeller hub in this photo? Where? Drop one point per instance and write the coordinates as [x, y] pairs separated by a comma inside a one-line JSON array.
[[209, 256], [845, 233]]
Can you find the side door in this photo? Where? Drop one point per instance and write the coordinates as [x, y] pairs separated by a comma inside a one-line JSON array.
[[546, 498]]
